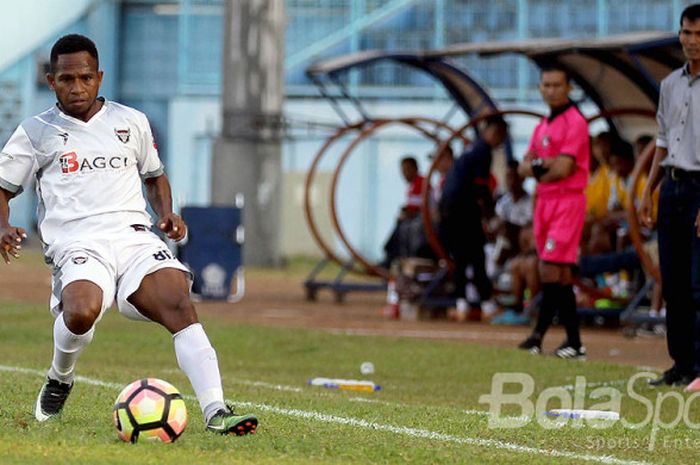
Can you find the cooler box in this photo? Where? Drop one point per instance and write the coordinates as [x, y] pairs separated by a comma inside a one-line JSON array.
[[214, 252]]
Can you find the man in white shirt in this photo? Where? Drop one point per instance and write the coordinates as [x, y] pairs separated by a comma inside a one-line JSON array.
[[676, 162], [89, 157]]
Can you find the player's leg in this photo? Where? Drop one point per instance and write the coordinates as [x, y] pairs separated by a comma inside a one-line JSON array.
[[81, 304], [559, 255], [163, 296], [78, 299], [558, 229], [568, 316], [550, 276]]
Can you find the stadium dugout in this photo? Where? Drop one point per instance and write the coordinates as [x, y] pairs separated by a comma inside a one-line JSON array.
[[620, 74]]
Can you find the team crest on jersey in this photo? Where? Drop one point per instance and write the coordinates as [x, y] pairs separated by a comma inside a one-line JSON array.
[[550, 245], [123, 134]]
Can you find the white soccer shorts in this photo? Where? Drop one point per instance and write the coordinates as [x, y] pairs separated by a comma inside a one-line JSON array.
[[116, 263]]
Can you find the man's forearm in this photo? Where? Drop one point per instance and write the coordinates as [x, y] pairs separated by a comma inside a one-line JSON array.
[[655, 173], [5, 197], [159, 195], [558, 168]]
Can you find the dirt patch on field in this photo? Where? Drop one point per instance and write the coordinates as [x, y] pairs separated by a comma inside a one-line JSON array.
[[278, 299]]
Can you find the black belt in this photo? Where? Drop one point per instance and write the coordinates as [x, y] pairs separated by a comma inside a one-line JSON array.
[[678, 174]]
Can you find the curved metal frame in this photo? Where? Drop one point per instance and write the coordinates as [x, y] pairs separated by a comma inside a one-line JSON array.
[[371, 269], [418, 61], [307, 189], [642, 164], [425, 210]]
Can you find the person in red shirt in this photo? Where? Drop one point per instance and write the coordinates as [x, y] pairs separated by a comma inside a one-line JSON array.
[[558, 158], [407, 236], [409, 170]]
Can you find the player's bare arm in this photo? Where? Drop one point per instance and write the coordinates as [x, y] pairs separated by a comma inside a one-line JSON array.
[[160, 198], [646, 207], [12, 237]]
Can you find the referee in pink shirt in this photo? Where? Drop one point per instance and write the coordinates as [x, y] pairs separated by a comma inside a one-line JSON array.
[[558, 158]]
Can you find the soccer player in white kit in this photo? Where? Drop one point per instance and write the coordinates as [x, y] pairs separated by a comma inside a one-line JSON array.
[[89, 158]]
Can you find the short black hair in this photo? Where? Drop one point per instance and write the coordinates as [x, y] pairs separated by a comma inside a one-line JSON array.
[[73, 43], [555, 67], [622, 149], [604, 136], [691, 13], [411, 160], [497, 120]]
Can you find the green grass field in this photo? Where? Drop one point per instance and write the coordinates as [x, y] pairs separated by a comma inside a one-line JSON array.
[[428, 410]]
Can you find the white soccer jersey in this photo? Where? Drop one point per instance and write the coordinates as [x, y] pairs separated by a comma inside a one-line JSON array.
[[88, 174]]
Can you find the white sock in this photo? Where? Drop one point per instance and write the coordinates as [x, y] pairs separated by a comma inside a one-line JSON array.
[[197, 358], [67, 346]]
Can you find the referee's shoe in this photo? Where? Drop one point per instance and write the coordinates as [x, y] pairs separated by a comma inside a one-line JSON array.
[[566, 350]]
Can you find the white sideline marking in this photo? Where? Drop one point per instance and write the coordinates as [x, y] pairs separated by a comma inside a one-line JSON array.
[[364, 424]]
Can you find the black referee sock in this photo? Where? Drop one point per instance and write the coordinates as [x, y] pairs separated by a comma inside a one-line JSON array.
[[568, 315], [548, 308]]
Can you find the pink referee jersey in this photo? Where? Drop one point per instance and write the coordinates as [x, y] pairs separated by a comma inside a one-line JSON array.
[[565, 133], [560, 207]]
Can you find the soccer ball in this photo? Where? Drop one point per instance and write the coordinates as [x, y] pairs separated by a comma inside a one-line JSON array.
[[149, 409]]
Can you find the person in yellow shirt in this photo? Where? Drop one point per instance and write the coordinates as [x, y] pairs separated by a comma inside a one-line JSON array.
[[598, 189], [622, 164]]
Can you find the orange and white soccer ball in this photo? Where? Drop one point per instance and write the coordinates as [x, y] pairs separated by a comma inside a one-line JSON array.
[[149, 409]]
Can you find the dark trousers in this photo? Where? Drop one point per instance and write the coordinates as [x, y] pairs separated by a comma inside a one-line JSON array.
[[679, 255], [407, 240], [463, 238]]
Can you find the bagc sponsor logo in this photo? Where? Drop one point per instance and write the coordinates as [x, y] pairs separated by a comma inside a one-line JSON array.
[[70, 163]]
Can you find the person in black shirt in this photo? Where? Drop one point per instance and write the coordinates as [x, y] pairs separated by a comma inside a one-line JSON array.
[[460, 228]]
